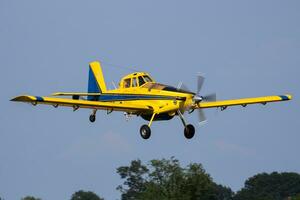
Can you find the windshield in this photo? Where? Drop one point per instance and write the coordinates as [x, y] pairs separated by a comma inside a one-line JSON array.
[[147, 79]]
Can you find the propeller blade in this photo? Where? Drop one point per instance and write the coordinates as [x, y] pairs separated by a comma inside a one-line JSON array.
[[179, 85], [200, 81], [185, 88], [201, 116], [182, 86], [210, 97]]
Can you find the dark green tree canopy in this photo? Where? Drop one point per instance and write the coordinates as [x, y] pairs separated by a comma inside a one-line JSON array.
[[274, 186], [85, 195], [134, 176], [166, 179], [29, 198]]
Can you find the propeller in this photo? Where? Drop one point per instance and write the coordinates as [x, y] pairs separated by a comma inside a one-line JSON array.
[[200, 81], [210, 97], [182, 86], [198, 98], [206, 98]]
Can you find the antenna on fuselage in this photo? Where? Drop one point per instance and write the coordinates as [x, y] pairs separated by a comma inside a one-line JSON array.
[[113, 83]]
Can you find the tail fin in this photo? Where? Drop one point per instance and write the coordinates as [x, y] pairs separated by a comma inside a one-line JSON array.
[[96, 80]]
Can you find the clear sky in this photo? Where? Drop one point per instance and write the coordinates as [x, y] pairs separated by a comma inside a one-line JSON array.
[[244, 48]]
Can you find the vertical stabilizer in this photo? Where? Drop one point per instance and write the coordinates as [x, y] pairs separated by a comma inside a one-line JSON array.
[[96, 82]]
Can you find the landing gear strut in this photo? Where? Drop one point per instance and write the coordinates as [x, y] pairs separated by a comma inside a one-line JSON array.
[[93, 116], [145, 130], [189, 129]]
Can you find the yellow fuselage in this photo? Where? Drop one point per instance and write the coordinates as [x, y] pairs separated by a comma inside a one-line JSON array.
[[162, 99]]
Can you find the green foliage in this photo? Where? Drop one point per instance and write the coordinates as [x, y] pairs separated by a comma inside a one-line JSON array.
[[297, 197], [29, 198], [274, 186], [167, 180], [135, 181], [83, 195]]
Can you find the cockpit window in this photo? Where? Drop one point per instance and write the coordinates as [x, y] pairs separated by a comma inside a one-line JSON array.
[[141, 81], [127, 83], [147, 79], [134, 82]]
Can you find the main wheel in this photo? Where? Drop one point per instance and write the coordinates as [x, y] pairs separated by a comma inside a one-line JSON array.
[[189, 131], [145, 131], [92, 118]]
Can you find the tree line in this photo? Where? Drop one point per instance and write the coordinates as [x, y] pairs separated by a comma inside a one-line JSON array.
[[166, 179]]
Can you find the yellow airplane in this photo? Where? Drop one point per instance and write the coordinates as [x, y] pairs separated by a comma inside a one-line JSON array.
[[138, 94]]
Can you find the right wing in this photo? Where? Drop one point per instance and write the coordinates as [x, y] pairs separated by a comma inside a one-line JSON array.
[[108, 105]]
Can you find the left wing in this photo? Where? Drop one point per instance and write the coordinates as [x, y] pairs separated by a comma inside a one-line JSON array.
[[244, 102], [75, 103], [75, 94]]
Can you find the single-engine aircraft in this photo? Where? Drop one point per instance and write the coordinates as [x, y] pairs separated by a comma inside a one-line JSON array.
[[138, 94]]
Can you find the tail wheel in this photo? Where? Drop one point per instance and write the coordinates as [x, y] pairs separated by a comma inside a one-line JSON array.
[[189, 131], [92, 118], [145, 131]]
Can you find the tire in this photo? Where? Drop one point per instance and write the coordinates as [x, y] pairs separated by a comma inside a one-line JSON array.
[[92, 118], [189, 131], [145, 132]]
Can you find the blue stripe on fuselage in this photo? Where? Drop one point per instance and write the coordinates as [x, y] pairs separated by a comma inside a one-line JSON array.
[[124, 97]]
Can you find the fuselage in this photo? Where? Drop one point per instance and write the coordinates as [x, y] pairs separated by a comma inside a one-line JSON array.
[[140, 88]]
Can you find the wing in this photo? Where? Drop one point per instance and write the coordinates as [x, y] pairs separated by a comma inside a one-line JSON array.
[[244, 102], [110, 105], [75, 94]]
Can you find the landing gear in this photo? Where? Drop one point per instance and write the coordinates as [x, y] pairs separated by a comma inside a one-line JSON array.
[[93, 116], [145, 131], [189, 129]]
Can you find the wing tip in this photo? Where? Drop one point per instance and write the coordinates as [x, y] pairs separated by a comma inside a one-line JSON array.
[[286, 97], [24, 98], [290, 96]]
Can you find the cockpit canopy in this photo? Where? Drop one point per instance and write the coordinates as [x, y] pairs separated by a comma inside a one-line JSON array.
[[142, 79], [135, 80]]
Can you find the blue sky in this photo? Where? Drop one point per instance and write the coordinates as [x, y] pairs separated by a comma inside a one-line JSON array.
[[244, 48]]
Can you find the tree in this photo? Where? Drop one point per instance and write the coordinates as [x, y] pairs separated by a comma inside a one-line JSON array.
[[224, 193], [274, 186], [166, 179], [30, 198], [83, 195], [134, 184]]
